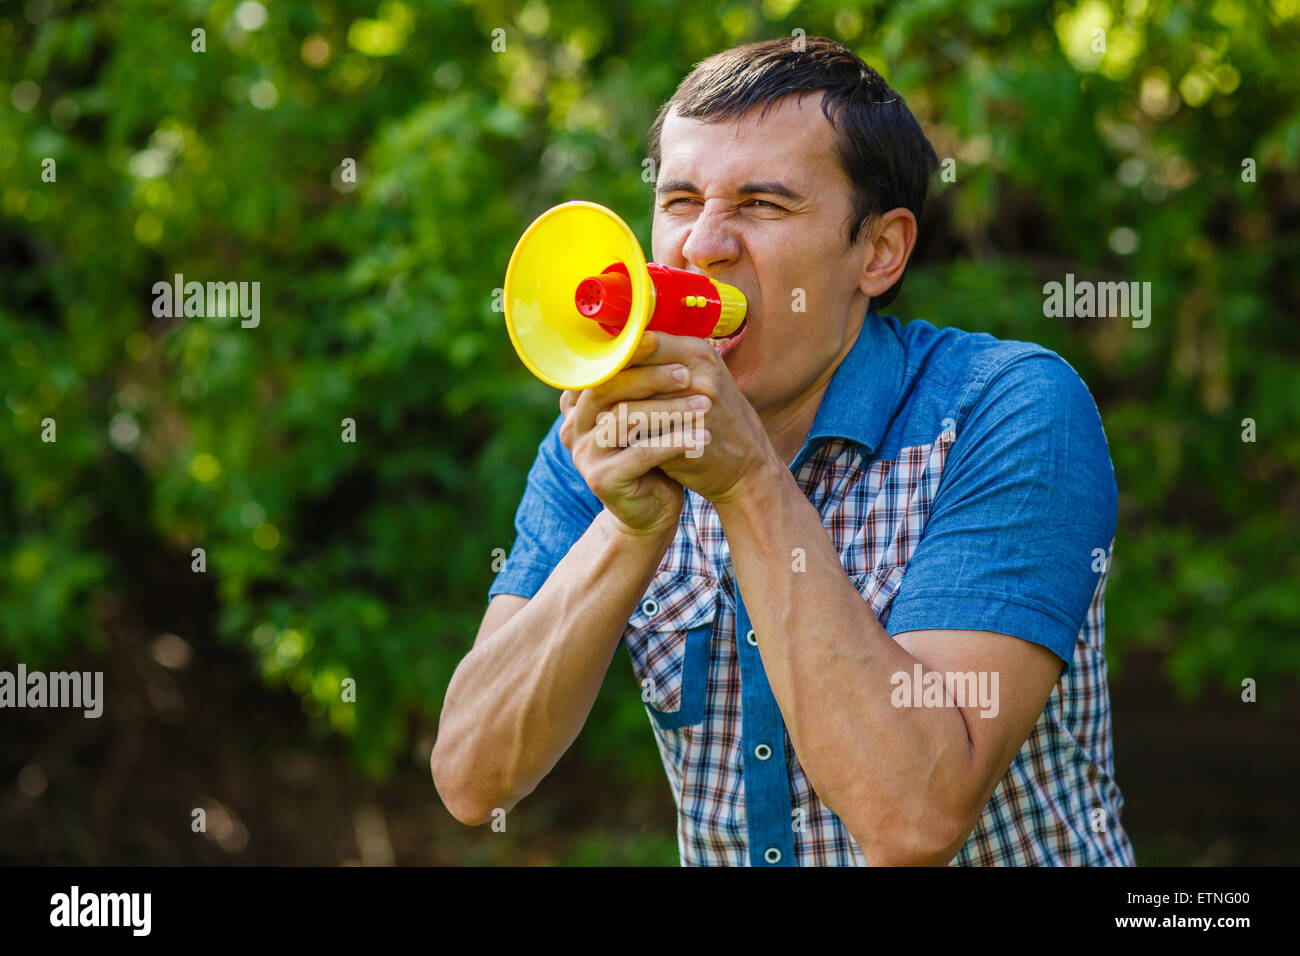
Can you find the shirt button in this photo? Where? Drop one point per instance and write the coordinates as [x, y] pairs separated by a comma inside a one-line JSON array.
[[650, 607], [762, 751], [753, 641], [773, 855]]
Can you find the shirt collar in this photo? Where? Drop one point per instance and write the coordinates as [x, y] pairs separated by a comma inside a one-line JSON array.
[[862, 397]]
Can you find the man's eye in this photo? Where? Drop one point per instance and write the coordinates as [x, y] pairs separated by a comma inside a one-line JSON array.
[[669, 204]]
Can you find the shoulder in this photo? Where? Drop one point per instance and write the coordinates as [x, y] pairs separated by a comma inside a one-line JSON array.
[[976, 372]]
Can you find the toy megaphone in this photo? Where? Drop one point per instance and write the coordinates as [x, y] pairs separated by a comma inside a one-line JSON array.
[[579, 293]]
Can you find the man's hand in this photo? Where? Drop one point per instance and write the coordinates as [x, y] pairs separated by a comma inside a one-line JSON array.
[[628, 480], [739, 449]]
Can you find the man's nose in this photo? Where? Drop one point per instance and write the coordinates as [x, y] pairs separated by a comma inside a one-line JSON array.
[[711, 242]]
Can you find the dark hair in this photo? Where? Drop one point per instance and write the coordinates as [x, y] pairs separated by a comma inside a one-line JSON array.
[[881, 147]]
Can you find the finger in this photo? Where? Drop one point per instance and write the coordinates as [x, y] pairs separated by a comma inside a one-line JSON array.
[[642, 381], [631, 384], [683, 349], [647, 345], [630, 463], [632, 421], [661, 409], [568, 400]]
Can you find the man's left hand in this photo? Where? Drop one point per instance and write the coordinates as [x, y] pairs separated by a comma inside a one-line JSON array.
[[739, 449]]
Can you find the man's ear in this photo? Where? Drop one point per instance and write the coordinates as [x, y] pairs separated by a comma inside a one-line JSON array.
[[890, 244]]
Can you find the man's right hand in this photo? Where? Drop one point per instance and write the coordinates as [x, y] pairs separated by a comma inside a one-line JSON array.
[[628, 481]]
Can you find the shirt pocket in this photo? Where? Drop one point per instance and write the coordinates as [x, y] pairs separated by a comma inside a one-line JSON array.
[[668, 638], [879, 588]]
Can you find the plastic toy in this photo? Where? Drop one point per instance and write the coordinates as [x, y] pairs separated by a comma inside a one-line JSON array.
[[579, 294]]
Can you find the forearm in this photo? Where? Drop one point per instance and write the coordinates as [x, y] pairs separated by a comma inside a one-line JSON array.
[[520, 697], [894, 775]]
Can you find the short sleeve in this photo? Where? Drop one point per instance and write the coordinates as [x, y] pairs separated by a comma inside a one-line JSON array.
[[1026, 499], [556, 509]]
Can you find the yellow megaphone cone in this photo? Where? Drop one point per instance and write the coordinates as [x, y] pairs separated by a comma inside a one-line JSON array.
[[579, 294]]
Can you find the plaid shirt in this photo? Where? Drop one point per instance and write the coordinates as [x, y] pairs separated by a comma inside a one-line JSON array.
[[966, 484]]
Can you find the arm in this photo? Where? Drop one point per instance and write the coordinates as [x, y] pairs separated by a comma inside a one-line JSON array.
[[519, 698], [908, 782]]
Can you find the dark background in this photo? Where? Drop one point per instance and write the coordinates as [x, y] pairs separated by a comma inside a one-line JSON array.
[[370, 560]]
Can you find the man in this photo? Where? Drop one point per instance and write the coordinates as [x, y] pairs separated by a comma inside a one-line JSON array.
[[867, 619]]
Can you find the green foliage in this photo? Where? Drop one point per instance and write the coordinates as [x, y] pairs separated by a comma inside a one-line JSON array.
[[371, 560]]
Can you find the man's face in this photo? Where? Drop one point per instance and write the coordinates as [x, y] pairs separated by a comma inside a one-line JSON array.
[[763, 206]]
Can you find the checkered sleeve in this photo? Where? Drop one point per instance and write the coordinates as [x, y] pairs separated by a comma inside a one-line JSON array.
[[1023, 518], [556, 509]]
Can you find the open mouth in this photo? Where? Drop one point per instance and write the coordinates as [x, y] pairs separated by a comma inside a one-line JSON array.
[[729, 344]]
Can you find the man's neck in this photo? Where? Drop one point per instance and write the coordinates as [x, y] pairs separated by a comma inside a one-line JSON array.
[[788, 425]]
